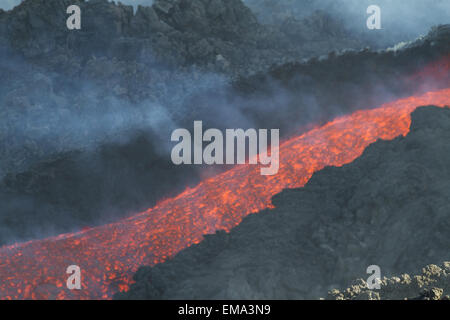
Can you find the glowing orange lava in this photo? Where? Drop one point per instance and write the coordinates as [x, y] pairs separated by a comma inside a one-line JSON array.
[[108, 255]]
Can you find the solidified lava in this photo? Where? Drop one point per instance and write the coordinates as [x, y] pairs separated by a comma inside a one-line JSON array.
[[110, 254]]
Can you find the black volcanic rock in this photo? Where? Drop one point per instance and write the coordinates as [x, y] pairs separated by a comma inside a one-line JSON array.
[[390, 207], [172, 32]]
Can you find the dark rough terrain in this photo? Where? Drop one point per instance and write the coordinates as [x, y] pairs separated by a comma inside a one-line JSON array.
[[432, 284], [390, 207], [214, 34]]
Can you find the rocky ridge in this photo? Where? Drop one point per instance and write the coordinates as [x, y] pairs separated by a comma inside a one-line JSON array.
[[432, 284]]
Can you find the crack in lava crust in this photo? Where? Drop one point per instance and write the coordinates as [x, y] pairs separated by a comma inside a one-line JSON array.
[[109, 255]]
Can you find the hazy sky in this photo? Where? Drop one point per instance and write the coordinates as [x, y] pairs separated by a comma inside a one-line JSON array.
[[8, 4]]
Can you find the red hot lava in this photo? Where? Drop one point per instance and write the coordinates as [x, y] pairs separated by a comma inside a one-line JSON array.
[[110, 254]]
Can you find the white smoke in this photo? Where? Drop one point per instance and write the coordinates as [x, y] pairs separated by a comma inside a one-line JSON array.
[[401, 20]]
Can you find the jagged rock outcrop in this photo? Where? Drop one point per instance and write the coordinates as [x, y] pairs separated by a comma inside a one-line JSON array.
[[390, 207], [432, 284]]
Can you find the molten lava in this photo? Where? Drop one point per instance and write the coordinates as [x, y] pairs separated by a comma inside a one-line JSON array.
[[110, 254]]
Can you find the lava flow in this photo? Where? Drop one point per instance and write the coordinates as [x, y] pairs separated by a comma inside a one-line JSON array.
[[108, 255]]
